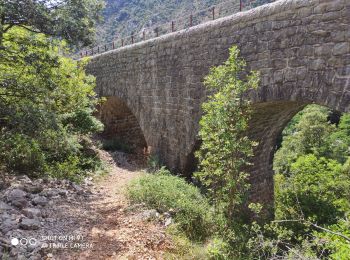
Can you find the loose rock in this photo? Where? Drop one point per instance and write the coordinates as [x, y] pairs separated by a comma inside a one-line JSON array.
[[39, 200], [17, 198], [29, 224], [31, 212]]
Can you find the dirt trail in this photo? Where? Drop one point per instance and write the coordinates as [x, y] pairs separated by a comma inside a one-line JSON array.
[[113, 231]]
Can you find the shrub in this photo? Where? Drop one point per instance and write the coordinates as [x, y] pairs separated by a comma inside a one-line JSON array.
[[115, 144], [46, 108], [184, 248], [163, 192], [153, 163], [337, 246], [316, 190], [225, 149], [218, 249], [21, 154], [68, 169]]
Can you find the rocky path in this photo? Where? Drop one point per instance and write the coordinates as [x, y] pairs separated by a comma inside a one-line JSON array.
[[116, 230], [61, 220]]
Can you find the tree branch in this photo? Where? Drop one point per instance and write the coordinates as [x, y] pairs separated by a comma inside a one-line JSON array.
[[29, 29], [9, 26], [314, 225]]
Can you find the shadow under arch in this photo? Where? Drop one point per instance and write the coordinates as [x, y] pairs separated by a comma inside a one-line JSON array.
[[121, 124]]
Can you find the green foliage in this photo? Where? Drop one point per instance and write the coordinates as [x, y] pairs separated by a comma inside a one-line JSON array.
[[312, 187], [21, 154], [46, 105], [218, 249], [183, 248], [339, 140], [81, 121], [116, 144], [153, 163], [314, 190], [225, 147], [338, 246], [164, 192], [307, 133], [73, 21]]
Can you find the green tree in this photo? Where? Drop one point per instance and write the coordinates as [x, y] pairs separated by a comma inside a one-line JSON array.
[[72, 20], [312, 188], [315, 191], [225, 148], [306, 134], [46, 105], [339, 140]]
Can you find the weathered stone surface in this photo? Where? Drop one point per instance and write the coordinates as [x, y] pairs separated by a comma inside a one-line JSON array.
[[7, 225], [149, 214], [4, 206], [17, 198], [29, 224], [39, 200], [31, 212], [301, 48], [33, 188]]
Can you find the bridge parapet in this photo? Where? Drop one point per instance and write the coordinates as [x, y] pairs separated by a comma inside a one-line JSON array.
[[214, 12]]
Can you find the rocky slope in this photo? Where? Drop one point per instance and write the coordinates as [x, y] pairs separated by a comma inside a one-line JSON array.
[[125, 17], [57, 219]]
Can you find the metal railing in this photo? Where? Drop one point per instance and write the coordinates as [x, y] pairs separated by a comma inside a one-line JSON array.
[[199, 17]]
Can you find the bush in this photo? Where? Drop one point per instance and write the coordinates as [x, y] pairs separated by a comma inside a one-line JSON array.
[[115, 144], [337, 246], [46, 108], [162, 191], [218, 249], [21, 154], [316, 190], [153, 163], [184, 248]]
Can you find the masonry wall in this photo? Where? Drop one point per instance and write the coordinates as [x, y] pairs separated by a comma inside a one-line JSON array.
[[301, 48], [120, 123]]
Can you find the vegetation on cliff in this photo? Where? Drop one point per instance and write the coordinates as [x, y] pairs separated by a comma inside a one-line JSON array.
[[125, 17]]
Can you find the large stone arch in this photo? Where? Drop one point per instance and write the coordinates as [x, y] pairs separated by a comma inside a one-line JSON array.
[[121, 123], [300, 47]]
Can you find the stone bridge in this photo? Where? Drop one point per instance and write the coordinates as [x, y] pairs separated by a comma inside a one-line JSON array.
[[155, 89]]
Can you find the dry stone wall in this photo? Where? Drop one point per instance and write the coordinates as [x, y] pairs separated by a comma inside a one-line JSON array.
[[301, 48]]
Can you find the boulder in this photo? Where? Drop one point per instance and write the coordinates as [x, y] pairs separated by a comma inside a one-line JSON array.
[[4, 206], [17, 198], [31, 213], [33, 188], [40, 200], [149, 214], [29, 224], [8, 225]]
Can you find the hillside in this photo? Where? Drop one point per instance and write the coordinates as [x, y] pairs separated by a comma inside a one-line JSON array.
[[125, 17]]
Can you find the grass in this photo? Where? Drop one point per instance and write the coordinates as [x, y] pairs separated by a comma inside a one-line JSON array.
[[165, 192]]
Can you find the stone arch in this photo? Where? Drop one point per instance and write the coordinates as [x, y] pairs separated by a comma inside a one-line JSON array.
[[121, 123], [266, 125]]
